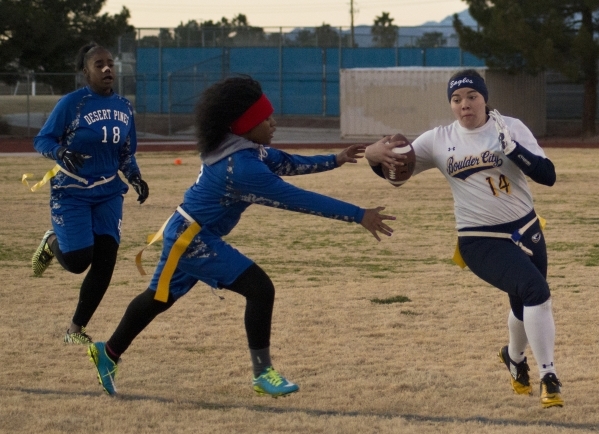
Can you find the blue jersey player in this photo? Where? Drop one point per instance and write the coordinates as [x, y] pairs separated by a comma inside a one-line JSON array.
[[91, 135], [234, 122]]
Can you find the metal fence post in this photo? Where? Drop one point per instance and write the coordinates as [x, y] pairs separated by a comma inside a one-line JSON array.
[[159, 73], [28, 107], [170, 131], [324, 81], [281, 70], [397, 48], [340, 62]]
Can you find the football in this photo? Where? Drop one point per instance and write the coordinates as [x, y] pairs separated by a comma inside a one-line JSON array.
[[404, 169]]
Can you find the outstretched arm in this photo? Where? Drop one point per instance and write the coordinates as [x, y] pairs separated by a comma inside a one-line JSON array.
[[350, 154]]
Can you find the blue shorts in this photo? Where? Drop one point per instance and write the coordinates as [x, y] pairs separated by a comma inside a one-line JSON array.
[[76, 220], [207, 259]]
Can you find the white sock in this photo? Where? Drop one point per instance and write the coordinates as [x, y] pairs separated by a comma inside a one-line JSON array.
[[540, 329], [518, 339]]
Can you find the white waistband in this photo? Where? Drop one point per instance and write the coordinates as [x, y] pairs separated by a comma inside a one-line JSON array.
[[497, 234], [515, 237], [184, 214], [83, 180]]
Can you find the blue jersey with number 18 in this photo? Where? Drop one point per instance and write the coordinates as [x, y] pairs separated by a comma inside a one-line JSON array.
[[99, 126]]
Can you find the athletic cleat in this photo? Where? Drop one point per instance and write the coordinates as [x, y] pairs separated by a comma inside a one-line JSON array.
[[106, 368], [550, 392], [518, 371], [270, 382], [81, 337], [42, 256]]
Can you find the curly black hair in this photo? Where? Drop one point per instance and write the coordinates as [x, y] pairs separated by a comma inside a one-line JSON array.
[[220, 105], [84, 54]]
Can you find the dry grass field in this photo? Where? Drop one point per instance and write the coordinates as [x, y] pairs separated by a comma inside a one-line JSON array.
[[425, 363]]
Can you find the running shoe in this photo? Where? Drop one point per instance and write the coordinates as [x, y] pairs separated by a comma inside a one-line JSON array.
[[270, 382], [105, 366]]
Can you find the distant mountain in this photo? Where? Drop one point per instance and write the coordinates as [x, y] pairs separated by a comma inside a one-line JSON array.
[[464, 16], [408, 35]]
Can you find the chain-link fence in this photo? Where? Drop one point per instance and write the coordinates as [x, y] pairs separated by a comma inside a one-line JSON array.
[[26, 100], [162, 71], [198, 35]]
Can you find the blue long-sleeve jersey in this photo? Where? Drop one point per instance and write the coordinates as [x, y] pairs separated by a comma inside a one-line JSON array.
[[235, 175], [225, 189], [102, 127]]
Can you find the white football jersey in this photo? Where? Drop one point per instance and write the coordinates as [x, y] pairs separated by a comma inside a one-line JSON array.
[[488, 189]]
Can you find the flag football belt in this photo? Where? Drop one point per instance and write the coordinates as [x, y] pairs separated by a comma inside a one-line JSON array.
[[516, 237], [174, 255], [88, 182]]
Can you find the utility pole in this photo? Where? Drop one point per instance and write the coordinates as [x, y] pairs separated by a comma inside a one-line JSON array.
[[351, 13]]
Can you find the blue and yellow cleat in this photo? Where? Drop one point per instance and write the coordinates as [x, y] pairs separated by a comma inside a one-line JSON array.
[[105, 366], [270, 382]]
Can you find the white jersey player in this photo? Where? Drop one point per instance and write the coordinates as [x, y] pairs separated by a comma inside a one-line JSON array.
[[499, 232]]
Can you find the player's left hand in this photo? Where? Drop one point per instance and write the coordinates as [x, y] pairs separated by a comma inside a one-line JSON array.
[[350, 154], [141, 187], [505, 138]]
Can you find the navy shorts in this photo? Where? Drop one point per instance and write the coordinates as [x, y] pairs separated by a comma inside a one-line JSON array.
[[503, 264]]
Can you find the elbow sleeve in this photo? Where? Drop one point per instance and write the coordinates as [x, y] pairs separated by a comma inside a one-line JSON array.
[[539, 169]]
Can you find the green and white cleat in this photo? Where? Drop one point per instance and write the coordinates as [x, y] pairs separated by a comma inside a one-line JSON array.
[[42, 256], [81, 338]]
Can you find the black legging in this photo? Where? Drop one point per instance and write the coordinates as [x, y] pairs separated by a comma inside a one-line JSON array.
[[102, 258], [254, 284]]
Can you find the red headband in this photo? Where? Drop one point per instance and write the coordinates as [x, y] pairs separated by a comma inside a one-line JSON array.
[[258, 112]]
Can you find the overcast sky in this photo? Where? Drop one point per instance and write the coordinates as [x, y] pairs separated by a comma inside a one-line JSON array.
[[285, 13]]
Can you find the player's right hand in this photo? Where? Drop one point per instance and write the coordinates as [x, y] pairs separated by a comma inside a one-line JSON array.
[[72, 160], [373, 222], [381, 152]]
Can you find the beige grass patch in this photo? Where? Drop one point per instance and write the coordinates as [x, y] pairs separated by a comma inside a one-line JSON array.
[[426, 365]]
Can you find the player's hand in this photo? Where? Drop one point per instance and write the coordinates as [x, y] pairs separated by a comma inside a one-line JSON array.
[[350, 154], [141, 187], [381, 152], [373, 222], [505, 138], [72, 160]]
